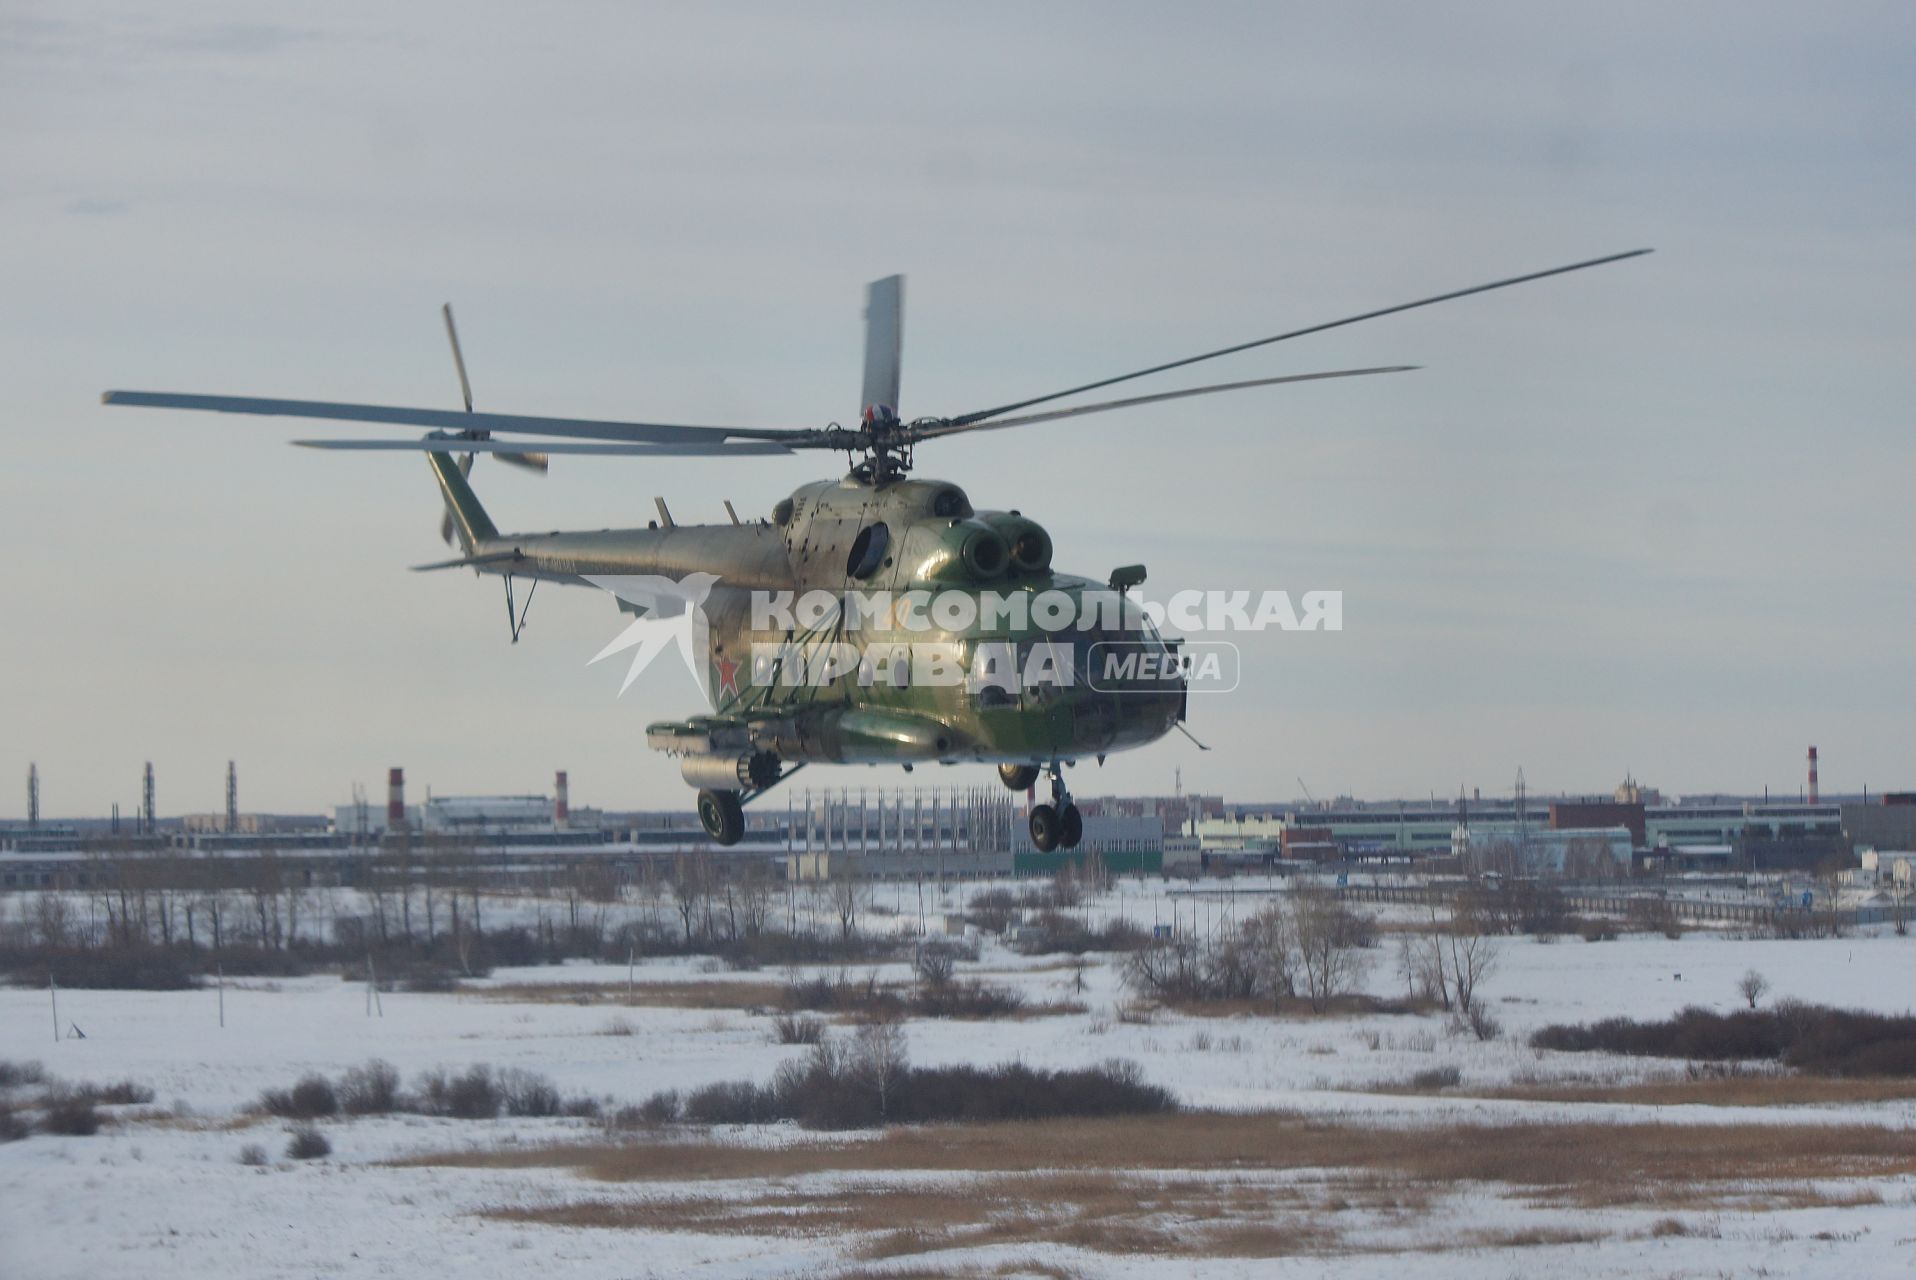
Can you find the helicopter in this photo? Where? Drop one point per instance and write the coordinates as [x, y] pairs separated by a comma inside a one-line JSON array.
[[874, 676]]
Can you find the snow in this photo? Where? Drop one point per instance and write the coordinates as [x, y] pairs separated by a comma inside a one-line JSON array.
[[165, 1194]]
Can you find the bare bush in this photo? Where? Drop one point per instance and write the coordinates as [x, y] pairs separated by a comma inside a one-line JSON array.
[[253, 1156], [13, 1075], [935, 964], [70, 1116], [120, 1093], [1811, 1038], [991, 910], [308, 1143], [730, 1102], [1432, 1079], [1482, 1023], [796, 1028], [662, 1107], [310, 1099], [1058, 931], [371, 1089], [472, 1096], [966, 1000], [1317, 945], [1752, 986], [1656, 915], [527, 1093]]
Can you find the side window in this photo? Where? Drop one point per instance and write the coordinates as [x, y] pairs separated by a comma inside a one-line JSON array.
[[868, 550]]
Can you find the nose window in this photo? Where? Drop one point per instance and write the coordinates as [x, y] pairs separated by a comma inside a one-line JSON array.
[[868, 550]]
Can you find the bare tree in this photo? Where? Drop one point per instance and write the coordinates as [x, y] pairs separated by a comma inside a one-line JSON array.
[[1752, 986], [53, 920], [880, 1061], [754, 898], [1422, 958], [1330, 957], [1272, 935], [690, 885], [1447, 960], [1470, 953], [848, 901]]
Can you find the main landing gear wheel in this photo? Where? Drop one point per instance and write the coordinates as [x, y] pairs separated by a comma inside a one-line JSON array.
[[1070, 826], [1017, 777], [1063, 824], [722, 816], [1044, 828]]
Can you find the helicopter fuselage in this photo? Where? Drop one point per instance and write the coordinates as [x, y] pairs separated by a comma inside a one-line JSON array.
[[876, 624]]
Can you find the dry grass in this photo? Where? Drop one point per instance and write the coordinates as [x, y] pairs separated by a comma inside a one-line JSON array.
[[1752, 1090], [1013, 1267], [653, 995], [1530, 1155], [1098, 1212], [1527, 1238]]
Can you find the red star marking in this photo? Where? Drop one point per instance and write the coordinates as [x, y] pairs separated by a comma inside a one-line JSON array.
[[727, 675]]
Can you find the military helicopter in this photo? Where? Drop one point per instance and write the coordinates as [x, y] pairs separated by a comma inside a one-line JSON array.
[[835, 688]]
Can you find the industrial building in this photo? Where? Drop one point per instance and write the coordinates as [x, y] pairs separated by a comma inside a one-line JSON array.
[[981, 831]]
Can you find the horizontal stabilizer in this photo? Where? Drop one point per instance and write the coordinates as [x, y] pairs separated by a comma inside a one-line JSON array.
[[470, 562]]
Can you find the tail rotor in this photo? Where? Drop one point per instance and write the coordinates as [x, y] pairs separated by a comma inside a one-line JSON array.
[[537, 462]]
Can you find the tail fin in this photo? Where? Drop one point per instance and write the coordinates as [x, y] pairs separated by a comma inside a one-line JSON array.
[[469, 519]]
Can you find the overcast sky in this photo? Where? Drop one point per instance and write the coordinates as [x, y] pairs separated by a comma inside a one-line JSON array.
[[1654, 517]]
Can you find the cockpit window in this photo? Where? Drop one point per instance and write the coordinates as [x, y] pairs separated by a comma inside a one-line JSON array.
[[868, 550]]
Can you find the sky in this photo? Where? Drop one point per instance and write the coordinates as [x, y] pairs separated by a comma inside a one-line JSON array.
[[1652, 518]]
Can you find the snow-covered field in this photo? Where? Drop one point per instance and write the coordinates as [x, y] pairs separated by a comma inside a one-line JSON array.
[[163, 1193]]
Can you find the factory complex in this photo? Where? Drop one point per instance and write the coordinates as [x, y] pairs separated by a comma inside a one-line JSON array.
[[805, 833]]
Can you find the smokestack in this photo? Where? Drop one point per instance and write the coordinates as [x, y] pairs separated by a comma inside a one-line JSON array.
[[147, 823], [1813, 775], [395, 799], [232, 798], [33, 796], [561, 806]]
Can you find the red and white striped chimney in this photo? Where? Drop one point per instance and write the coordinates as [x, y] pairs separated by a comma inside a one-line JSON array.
[[561, 806], [395, 799], [1813, 775]]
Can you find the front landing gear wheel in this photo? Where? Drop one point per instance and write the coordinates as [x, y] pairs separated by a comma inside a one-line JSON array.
[[1044, 828], [722, 816], [1070, 826], [1017, 777]]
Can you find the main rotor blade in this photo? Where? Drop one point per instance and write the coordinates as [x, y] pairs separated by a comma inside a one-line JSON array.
[[454, 444], [450, 419], [458, 357], [884, 344], [982, 414], [932, 431]]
